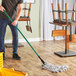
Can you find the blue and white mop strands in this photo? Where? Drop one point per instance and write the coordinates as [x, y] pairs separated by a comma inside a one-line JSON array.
[[55, 68]]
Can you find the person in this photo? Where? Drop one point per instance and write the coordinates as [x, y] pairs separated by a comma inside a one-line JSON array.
[[13, 9]]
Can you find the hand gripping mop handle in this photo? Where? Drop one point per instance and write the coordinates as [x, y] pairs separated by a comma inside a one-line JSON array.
[[25, 38]]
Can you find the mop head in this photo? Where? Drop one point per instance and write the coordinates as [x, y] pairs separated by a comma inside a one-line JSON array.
[[55, 68]]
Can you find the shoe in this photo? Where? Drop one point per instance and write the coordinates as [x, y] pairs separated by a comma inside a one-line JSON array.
[[16, 56], [3, 56]]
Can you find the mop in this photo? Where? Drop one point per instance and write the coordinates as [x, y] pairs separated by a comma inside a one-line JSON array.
[[45, 65]]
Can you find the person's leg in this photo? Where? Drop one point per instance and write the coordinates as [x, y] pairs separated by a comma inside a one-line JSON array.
[[3, 24], [15, 40]]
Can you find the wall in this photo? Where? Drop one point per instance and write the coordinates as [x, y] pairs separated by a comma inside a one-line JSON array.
[[35, 13]]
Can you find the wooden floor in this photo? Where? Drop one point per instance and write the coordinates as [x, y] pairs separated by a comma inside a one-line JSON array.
[[32, 65]]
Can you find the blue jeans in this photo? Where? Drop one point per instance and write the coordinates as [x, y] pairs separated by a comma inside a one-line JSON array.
[[3, 25]]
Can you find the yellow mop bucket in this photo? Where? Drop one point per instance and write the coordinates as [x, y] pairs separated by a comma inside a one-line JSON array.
[[8, 72], [11, 72]]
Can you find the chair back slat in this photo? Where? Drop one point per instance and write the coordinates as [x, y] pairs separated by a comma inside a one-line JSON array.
[[52, 11], [29, 10], [59, 13], [66, 8]]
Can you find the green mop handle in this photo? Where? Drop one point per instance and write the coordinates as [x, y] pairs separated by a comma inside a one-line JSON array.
[[24, 38]]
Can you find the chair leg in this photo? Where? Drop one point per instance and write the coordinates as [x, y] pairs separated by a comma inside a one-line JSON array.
[[66, 43], [70, 33]]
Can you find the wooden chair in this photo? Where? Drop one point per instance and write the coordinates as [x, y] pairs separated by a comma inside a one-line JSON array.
[[27, 18], [67, 33]]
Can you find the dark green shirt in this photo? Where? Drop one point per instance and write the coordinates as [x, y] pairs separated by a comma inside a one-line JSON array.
[[11, 7]]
